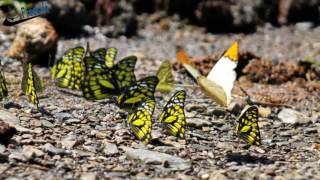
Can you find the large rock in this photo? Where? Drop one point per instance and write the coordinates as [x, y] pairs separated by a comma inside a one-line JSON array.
[[35, 41]]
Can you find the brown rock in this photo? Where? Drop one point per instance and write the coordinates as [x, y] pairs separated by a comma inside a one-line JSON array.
[[6, 132], [35, 41]]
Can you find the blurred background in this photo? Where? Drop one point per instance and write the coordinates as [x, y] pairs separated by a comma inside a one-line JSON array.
[[217, 16]]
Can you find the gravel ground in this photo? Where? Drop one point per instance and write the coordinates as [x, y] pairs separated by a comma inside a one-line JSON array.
[[88, 139]]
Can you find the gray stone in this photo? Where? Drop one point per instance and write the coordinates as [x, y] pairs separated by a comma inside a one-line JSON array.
[[2, 148], [88, 176], [53, 150], [62, 116], [47, 124], [304, 25], [17, 156], [197, 122], [69, 142], [152, 157], [9, 118], [30, 152], [291, 116], [110, 149], [72, 121]]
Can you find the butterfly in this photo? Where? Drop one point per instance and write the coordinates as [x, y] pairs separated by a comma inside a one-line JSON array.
[[223, 74], [69, 69], [102, 82], [165, 77], [219, 82], [140, 121], [247, 126], [138, 92], [105, 56], [31, 84], [3, 87], [173, 117]]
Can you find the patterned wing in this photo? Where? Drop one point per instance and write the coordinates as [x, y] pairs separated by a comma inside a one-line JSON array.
[[140, 121], [138, 92], [173, 117], [165, 77], [247, 127], [69, 70], [29, 85], [99, 82], [124, 72], [3, 87], [110, 57], [99, 54]]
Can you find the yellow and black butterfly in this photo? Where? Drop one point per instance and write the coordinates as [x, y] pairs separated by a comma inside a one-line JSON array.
[[165, 77], [102, 82], [140, 121], [3, 87], [173, 117], [137, 93], [247, 126], [31, 84], [105, 56], [69, 70]]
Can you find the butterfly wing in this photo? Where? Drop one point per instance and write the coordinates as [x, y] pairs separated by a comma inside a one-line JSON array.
[[99, 82], [28, 84], [173, 117], [110, 57], [223, 73], [124, 72], [3, 87], [140, 121], [69, 70], [247, 127], [165, 77], [138, 92]]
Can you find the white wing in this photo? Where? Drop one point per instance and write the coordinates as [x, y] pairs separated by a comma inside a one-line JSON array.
[[223, 73]]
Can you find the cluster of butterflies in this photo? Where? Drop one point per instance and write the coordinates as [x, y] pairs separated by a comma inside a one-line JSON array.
[[97, 75]]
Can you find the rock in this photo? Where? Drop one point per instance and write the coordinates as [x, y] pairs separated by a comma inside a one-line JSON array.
[[304, 25], [110, 149], [73, 121], [17, 156], [311, 130], [196, 107], [62, 115], [218, 175], [9, 118], [47, 124], [197, 122], [53, 150], [30, 152], [2, 149], [88, 176], [291, 116], [69, 142], [6, 132], [36, 41], [152, 157]]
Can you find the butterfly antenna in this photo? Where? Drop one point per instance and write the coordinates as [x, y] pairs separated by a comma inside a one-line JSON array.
[[248, 98]]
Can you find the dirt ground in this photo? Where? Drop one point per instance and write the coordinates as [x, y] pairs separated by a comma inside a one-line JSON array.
[[88, 139]]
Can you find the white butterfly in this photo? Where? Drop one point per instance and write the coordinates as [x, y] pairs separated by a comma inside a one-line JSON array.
[[223, 73], [219, 82]]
